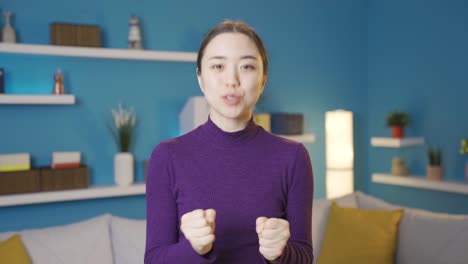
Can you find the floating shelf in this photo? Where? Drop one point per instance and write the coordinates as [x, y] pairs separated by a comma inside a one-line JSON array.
[[396, 143], [71, 195], [421, 182], [66, 99], [105, 53], [305, 138]]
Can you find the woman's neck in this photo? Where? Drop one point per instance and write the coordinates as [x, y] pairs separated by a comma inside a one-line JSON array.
[[230, 124]]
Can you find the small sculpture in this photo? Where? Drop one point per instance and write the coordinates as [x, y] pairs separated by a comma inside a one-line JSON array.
[[399, 167], [8, 33], [134, 35]]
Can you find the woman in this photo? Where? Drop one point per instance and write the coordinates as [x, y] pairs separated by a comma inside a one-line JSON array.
[[228, 191]]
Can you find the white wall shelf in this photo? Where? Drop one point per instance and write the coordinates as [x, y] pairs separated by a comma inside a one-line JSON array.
[[305, 138], [396, 143], [421, 182], [94, 192], [66, 99], [105, 53]]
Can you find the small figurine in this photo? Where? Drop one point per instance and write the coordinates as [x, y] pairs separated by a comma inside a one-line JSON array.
[[58, 85], [9, 35], [134, 35]]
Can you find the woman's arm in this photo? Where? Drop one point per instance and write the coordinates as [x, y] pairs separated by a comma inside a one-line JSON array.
[[162, 221], [299, 211]]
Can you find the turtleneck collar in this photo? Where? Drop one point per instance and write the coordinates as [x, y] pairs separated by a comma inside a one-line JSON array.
[[216, 135]]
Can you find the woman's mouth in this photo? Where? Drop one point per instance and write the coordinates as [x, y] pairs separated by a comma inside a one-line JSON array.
[[232, 99]]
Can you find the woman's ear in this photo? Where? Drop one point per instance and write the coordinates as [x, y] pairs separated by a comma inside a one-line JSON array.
[[263, 83], [200, 83]]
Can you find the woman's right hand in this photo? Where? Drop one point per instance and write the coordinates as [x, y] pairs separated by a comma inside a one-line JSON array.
[[198, 228]]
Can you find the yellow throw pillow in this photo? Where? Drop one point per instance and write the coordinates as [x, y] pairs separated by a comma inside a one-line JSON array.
[[12, 250], [361, 236]]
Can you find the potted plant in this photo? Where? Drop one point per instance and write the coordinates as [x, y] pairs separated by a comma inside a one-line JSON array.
[[123, 131], [398, 121], [464, 151], [434, 169]]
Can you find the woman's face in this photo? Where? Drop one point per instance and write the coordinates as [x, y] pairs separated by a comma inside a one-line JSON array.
[[231, 77]]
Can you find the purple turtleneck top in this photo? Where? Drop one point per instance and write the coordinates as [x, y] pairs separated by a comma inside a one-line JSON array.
[[242, 175]]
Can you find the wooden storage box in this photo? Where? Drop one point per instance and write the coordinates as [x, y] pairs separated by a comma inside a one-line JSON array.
[[65, 34], [20, 181], [64, 179]]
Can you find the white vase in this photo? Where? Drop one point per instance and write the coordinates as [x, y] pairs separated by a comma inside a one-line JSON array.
[[123, 168], [8, 33]]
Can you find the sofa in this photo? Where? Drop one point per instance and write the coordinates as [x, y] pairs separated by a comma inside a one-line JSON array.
[[423, 236], [104, 239]]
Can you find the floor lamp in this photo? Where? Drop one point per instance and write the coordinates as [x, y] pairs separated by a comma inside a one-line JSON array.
[[339, 153]]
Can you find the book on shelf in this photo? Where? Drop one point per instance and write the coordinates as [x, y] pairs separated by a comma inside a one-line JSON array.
[[15, 162], [66, 159]]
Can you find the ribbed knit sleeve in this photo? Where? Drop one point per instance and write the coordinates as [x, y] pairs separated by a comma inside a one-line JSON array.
[[299, 211], [162, 232]]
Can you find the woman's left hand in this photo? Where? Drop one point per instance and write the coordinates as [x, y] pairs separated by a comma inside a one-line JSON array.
[[273, 235]]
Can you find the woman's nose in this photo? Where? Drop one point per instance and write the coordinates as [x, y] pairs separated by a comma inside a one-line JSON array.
[[232, 78]]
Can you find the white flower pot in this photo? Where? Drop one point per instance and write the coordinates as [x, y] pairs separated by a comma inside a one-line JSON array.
[[123, 168]]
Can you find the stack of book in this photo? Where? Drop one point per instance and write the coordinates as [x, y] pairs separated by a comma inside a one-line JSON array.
[[62, 160], [15, 162]]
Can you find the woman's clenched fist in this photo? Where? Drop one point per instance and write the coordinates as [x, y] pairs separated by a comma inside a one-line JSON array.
[[273, 235], [198, 228]]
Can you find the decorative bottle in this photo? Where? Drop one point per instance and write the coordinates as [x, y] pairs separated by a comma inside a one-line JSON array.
[[58, 85], [8, 33]]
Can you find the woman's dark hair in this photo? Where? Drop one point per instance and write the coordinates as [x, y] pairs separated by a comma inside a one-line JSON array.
[[229, 26]]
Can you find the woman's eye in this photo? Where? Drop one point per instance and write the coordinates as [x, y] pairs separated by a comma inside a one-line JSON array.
[[248, 67], [217, 66]]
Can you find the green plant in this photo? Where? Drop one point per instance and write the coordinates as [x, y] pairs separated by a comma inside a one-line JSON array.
[[124, 126], [464, 146], [397, 118], [435, 156]]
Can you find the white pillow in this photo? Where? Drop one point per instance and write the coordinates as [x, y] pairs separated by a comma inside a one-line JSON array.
[[319, 223], [320, 210], [348, 200], [6, 235], [128, 240], [82, 242], [424, 236], [370, 202]]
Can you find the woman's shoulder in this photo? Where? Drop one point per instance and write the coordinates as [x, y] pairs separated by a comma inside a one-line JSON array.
[[172, 144], [279, 141]]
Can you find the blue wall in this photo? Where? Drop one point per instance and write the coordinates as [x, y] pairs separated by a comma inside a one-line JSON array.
[[370, 57], [317, 50], [417, 62]]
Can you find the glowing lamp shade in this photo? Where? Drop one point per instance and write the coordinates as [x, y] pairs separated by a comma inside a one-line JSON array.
[[339, 153]]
